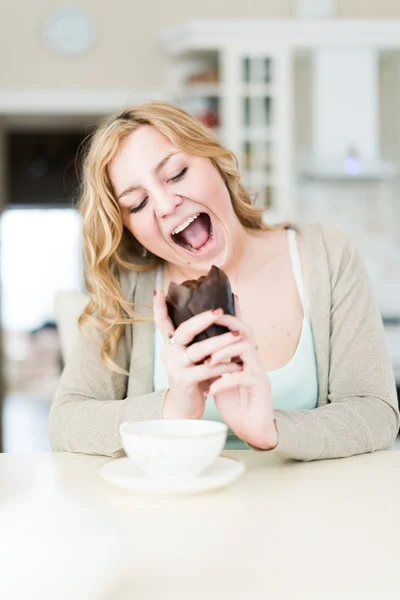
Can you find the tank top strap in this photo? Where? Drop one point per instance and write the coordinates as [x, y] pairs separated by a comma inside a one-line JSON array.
[[297, 270], [159, 276]]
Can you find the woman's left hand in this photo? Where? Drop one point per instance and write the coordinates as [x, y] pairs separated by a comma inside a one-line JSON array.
[[244, 398]]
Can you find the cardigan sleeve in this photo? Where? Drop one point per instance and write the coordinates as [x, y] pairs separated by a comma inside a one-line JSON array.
[[361, 414], [90, 403]]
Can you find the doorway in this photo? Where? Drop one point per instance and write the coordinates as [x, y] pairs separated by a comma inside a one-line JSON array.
[[40, 253]]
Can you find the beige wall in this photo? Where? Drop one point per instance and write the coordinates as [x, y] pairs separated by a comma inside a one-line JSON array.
[[302, 106], [126, 53], [381, 9]]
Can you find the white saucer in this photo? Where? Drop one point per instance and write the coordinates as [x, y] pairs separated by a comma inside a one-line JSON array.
[[125, 474]]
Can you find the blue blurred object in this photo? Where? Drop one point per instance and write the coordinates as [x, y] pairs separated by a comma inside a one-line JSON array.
[[352, 163]]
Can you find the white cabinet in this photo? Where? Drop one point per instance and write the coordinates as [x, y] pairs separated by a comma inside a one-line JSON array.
[[257, 125], [243, 92]]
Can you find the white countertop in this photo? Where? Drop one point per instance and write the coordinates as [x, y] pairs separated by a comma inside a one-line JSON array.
[[285, 530]]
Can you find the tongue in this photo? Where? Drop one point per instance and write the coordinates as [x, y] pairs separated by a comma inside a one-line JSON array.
[[196, 234]]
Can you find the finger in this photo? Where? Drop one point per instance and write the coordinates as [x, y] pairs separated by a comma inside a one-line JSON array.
[[161, 316], [188, 330], [235, 324], [208, 383], [234, 380], [201, 350], [201, 373], [243, 349]]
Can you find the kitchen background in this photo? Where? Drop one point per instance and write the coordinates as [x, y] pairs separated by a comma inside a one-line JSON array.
[[305, 92]]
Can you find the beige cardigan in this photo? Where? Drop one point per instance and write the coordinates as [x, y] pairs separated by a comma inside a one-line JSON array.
[[357, 406]]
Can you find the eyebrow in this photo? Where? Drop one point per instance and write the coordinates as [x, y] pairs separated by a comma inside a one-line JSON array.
[[156, 170]]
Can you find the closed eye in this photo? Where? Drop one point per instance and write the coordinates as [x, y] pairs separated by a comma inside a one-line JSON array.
[[136, 209], [180, 175]]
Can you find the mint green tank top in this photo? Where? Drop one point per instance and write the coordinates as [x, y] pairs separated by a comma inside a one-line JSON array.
[[294, 386]]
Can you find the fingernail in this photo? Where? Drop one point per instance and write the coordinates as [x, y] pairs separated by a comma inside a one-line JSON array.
[[235, 333], [217, 311]]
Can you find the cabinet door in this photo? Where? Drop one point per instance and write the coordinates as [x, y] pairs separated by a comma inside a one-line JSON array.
[[258, 124]]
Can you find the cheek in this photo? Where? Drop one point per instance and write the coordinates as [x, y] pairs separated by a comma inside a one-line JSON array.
[[143, 229], [209, 188], [220, 199]]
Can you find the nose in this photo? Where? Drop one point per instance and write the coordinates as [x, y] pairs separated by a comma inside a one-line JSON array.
[[166, 204]]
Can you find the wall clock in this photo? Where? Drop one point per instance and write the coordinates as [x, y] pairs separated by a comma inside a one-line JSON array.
[[69, 32]]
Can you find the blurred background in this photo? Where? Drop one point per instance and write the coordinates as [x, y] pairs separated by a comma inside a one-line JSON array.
[[306, 93]]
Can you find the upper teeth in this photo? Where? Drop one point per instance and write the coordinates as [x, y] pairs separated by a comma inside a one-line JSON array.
[[185, 224]]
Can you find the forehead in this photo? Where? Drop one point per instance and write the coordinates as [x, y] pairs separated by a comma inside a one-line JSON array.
[[139, 152]]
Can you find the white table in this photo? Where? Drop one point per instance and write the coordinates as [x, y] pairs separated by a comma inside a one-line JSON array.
[[285, 530]]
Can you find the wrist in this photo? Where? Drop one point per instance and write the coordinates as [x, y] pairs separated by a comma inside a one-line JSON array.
[[268, 441], [168, 410], [175, 410]]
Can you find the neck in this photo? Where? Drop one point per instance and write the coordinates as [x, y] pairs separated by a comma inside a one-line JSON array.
[[243, 263]]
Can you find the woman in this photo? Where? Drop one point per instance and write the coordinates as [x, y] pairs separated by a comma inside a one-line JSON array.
[[162, 201]]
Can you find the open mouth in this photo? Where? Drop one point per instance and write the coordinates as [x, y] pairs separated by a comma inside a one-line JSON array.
[[196, 235]]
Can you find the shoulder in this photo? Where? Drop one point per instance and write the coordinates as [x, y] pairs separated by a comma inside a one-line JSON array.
[[329, 254], [329, 241], [127, 280], [330, 236]]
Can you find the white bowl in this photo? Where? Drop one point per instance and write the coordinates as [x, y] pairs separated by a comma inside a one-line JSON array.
[[177, 449]]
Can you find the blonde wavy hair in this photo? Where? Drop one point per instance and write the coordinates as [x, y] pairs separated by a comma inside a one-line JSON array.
[[109, 246]]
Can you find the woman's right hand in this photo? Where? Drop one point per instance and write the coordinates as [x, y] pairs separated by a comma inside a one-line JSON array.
[[188, 375]]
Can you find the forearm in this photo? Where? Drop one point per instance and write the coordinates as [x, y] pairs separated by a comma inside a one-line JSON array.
[[344, 428], [90, 426]]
